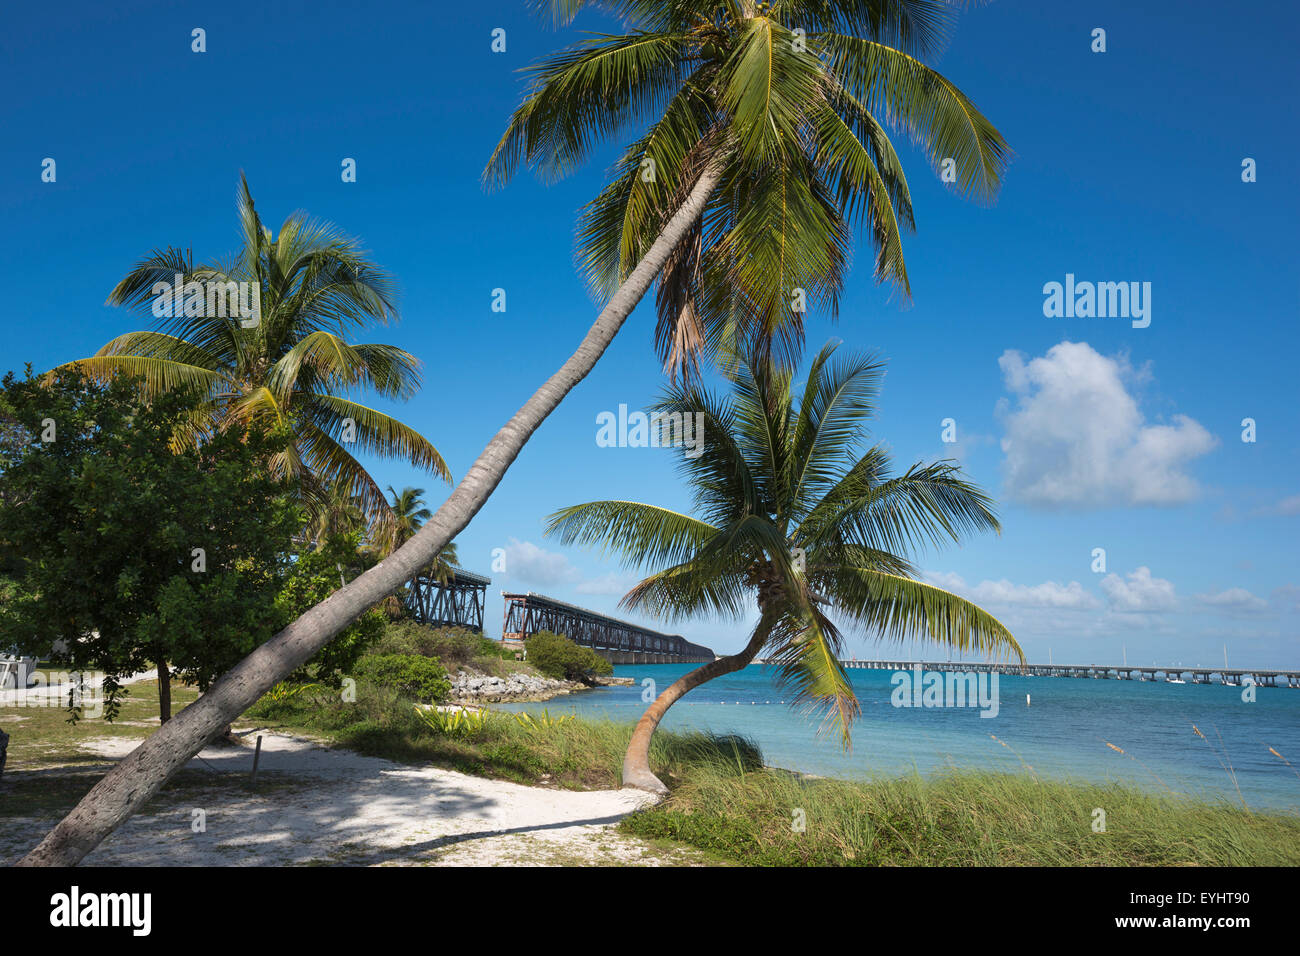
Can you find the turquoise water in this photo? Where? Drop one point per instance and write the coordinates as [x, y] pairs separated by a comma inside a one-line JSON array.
[[1062, 733]]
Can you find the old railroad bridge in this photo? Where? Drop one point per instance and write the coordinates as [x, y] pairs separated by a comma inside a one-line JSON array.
[[460, 601]]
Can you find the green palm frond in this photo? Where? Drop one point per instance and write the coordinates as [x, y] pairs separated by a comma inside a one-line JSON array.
[[900, 609], [584, 94], [792, 99], [929, 505], [315, 285], [644, 534], [838, 395], [940, 119], [807, 661]]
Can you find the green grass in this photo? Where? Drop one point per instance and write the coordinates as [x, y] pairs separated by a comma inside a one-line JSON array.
[[48, 769], [959, 818], [724, 801], [574, 754]]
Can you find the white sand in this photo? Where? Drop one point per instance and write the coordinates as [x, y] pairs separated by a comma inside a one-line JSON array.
[[313, 804]]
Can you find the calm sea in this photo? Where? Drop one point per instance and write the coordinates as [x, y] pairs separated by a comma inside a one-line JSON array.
[[1062, 732]]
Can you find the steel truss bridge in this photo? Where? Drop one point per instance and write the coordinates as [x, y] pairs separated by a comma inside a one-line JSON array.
[[457, 602], [617, 641]]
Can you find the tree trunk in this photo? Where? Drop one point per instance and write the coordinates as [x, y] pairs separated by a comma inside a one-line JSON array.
[[143, 771], [636, 762], [164, 692]]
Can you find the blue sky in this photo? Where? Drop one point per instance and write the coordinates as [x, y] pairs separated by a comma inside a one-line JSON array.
[[1091, 433]]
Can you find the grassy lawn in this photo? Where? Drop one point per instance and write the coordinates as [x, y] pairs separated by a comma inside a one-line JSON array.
[[50, 767], [775, 818]]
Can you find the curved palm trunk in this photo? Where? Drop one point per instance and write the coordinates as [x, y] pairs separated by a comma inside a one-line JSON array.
[[636, 762], [139, 776]]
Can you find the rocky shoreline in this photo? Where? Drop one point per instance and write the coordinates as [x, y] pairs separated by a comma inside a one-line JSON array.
[[471, 687]]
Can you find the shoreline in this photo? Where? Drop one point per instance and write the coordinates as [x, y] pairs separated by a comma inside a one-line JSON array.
[[473, 689]]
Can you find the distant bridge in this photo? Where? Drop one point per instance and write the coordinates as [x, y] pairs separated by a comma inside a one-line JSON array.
[[1194, 675], [457, 602], [617, 641]]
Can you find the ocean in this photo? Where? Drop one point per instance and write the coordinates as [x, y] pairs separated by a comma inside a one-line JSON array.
[[1062, 732]]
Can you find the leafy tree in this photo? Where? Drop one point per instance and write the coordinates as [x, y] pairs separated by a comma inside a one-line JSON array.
[[133, 555], [318, 572], [792, 514]]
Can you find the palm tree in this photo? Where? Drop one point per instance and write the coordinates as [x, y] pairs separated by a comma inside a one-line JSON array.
[[790, 511], [336, 513], [291, 362], [753, 90], [788, 102], [409, 514]]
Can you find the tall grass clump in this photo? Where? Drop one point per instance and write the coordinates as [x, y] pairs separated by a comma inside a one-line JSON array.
[[957, 818]]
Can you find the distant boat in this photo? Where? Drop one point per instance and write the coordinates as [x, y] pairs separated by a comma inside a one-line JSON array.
[[1175, 680]]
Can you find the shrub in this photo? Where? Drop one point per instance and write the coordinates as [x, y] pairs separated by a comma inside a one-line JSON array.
[[557, 656], [454, 646], [411, 675]]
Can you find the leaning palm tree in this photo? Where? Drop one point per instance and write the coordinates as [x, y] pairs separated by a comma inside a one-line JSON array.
[[786, 104], [291, 360], [794, 513], [750, 83]]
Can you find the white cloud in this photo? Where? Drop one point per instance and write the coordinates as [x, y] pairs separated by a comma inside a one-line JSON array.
[[613, 584], [1288, 596], [1288, 506], [530, 564], [1076, 437], [527, 562], [1139, 593], [1049, 594], [1232, 601]]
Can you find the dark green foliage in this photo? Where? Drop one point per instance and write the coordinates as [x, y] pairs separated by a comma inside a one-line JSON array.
[[315, 575], [105, 520], [557, 656], [418, 678], [454, 646]]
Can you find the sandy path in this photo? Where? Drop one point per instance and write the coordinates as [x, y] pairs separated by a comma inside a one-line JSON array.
[[318, 805]]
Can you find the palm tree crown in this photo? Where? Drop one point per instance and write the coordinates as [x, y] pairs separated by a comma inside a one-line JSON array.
[[792, 99], [790, 508], [292, 362]]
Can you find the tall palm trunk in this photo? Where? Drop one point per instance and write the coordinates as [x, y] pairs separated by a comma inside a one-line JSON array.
[[636, 762], [139, 776]]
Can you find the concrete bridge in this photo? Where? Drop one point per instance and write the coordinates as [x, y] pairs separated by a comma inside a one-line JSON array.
[[1232, 676], [617, 641]]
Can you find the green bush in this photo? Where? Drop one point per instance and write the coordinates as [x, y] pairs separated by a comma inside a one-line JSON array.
[[454, 646], [419, 678], [557, 656]]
